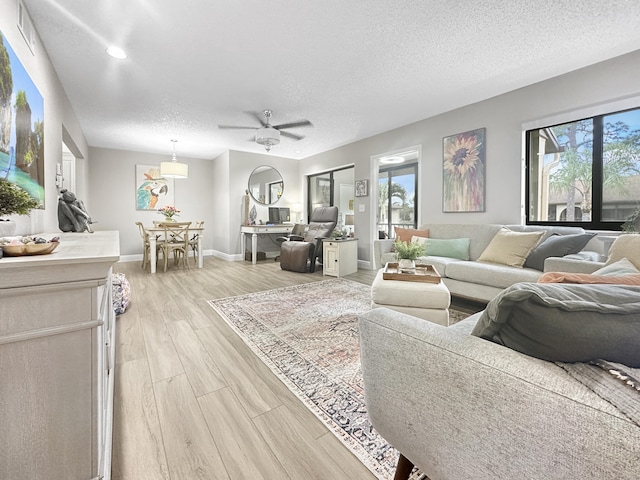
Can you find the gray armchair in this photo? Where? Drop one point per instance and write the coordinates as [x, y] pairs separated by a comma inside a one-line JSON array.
[[321, 224], [300, 250]]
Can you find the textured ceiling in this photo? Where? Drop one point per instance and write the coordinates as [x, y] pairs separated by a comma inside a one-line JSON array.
[[354, 68]]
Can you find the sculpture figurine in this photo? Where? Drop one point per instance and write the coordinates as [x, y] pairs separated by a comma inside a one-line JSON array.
[[72, 215], [245, 208]]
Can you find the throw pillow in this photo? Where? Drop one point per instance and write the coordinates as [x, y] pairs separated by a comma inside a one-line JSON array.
[[566, 323], [621, 267], [450, 247], [510, 248], [625, 246], [405, 234], [588, 278], [557, 246]]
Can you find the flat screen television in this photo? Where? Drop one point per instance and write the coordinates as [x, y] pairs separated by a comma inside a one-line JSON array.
[[279, 215]]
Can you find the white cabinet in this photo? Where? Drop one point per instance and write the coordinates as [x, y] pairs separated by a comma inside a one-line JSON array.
[[339, 257], [57, 331]]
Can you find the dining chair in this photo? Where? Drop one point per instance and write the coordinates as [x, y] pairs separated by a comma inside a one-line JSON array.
[[176, 241], [193, 241], [146, 246]]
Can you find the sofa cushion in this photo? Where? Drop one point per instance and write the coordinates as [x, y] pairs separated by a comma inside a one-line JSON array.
[[510, 248], [405, 234], [480, 234], [490, 274], [621, 267], [441, 264], [557, 246], [566, 323], [625, 246], [451, 247]]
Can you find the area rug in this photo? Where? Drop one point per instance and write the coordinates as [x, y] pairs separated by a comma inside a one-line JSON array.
[[308, 336]]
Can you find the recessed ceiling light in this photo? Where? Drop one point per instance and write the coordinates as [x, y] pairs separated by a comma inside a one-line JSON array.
[[297, 151], [116, 52], [392, 159]]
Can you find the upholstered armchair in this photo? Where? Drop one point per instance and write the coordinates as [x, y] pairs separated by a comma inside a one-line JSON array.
[[321, 224], [297, 234], [301, 252]]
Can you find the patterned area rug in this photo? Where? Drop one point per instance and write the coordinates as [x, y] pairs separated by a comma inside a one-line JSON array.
[[308, 336]]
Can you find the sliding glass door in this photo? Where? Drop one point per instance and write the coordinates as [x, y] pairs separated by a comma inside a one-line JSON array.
[[331, 188]]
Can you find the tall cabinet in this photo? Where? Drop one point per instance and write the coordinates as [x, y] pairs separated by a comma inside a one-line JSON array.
[[57, 352]]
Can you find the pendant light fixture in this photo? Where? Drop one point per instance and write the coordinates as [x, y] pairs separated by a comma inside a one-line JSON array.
[[174, 169]]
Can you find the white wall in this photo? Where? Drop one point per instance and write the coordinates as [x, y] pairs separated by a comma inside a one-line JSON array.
[[58, 114]]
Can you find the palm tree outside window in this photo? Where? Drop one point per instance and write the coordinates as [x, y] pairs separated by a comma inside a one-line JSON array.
[[397, 198]]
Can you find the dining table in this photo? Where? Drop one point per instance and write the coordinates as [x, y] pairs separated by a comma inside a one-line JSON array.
[[157, 230]]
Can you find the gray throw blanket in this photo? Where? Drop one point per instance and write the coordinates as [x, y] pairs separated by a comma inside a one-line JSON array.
[[616, 383]]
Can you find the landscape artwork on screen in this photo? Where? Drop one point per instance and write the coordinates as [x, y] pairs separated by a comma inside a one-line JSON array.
[[21, 125], [463, 172]]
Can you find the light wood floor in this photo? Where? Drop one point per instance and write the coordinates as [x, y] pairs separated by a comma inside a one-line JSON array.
[[192, 401]]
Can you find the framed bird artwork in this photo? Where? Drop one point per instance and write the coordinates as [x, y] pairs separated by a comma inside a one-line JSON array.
[[152, 190]]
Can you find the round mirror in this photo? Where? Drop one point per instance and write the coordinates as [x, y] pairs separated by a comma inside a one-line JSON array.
[[266, 185]]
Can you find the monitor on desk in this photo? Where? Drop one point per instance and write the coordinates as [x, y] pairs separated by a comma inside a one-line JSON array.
[[278, 216]]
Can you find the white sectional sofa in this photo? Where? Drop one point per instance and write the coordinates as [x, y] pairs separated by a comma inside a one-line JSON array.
[[481, 280], [459, 406]]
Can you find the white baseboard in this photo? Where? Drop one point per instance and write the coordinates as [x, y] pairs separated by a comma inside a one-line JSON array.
[[234, 257], [365, 265]]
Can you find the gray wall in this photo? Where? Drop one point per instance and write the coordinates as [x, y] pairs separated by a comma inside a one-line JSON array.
[[240, 166], [112, 189], [589, 90]]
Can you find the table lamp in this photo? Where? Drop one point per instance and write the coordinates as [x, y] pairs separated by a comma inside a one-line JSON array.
[[348, 220]]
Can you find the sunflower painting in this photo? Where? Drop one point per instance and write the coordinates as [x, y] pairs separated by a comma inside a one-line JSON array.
[[463, 164]]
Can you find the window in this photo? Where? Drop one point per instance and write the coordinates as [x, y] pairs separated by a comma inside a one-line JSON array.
[[397, 198], [584, 173]]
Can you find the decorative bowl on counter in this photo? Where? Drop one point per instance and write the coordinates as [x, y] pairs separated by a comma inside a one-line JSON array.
[[30, 248]]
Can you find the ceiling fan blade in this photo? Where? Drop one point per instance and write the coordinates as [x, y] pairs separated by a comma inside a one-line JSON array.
[[291, 135], [299, 123], [259, 116], [227, 127]]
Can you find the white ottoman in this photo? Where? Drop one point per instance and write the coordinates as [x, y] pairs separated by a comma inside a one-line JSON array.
[[429, 301]]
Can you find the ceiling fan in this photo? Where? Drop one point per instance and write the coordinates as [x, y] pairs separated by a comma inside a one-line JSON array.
[[267, 134]]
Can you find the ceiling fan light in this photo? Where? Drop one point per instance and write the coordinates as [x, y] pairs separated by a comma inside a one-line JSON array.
[[268, 136]]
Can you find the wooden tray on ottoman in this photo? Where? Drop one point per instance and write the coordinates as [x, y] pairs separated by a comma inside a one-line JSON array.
[[424, 273]]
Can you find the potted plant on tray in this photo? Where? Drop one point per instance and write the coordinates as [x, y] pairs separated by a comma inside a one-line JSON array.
[[13, 200], [406, 253]]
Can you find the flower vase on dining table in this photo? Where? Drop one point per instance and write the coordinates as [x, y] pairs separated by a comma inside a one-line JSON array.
[[168, 212]]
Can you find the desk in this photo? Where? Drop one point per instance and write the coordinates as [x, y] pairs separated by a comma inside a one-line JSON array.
[[153, 231], [256, 230]]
